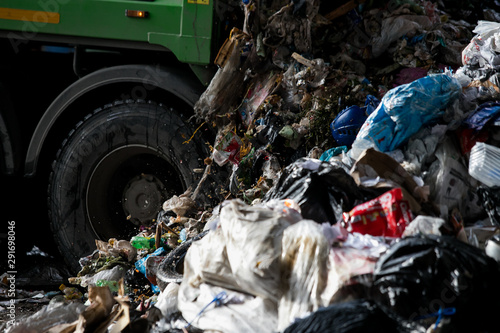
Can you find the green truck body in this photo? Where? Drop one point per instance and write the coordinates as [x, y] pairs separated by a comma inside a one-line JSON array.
[[96, 97], [183, 27]]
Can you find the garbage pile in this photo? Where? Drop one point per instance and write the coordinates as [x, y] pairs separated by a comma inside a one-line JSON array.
[[363, 143]]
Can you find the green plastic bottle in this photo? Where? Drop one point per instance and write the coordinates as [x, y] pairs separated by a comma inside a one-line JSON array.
[[140, 242]]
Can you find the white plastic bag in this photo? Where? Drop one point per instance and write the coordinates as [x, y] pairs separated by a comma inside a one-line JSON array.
[[167, 300], [304, 259], [483, 48], [238, 312], [253, 247], [242, 256]]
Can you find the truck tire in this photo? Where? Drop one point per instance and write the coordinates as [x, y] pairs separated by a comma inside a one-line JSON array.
[[115, 170]]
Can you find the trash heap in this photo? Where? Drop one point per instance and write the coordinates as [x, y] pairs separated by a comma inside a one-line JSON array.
[[363, 143]]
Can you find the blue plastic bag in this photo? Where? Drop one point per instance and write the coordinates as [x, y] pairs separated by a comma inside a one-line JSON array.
[[140, 265], [484, 114], [404, 110]]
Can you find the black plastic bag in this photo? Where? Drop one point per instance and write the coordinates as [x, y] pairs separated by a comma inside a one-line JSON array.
[[323, 190], [420, 275], [491, 202], [354, 316]]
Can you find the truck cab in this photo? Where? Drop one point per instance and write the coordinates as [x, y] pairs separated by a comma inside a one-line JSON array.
[[96, 101]]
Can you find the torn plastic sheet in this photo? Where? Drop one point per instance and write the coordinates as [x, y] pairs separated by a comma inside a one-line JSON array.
[[225, 87], [240, 257], [253, 243], [404, 110]]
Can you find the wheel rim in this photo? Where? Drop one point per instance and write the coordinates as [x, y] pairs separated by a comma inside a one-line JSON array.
[[127, 189]]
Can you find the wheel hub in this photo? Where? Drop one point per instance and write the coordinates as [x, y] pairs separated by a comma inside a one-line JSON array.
[[142, 199]]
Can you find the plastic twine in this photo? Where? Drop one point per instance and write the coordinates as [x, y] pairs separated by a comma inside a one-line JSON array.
[[442, 312], [218, 300]]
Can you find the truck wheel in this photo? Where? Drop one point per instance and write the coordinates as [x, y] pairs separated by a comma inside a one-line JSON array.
[[114, 172]]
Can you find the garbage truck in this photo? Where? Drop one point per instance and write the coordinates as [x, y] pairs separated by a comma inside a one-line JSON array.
[[96, 98]]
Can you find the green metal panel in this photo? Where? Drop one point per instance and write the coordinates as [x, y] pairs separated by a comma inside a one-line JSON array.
[[179, 25]]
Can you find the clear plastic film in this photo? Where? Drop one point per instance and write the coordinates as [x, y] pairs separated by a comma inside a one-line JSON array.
[[304, 258]]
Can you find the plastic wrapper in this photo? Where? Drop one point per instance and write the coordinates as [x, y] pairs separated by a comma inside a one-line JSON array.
[[404, 110], [374, 246], [420, 275], [426, 225], [484, 164], [304, 261], [332, 152], [492, 247], [450, 183], [387, 215], [354, 316], [323, 190], [227, 148]]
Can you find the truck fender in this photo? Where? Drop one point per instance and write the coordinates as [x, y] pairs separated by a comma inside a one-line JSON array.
[[9, 135], [173, 80]]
